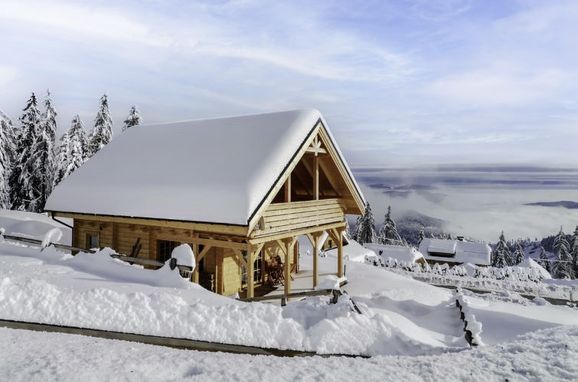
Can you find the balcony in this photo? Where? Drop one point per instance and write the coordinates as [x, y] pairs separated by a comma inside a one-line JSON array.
[[283, 217]]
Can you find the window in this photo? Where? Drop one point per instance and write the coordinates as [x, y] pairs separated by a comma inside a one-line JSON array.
[[165, 249], [92, 240]]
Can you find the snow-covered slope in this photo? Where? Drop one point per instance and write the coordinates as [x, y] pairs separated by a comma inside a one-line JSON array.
[[546, 355], [32, 225], [399, 315]]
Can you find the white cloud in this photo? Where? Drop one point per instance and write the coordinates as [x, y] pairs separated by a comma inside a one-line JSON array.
[[499, 87], [8, 74]]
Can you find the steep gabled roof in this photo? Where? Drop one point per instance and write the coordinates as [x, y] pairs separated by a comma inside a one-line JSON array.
[[214, 170]]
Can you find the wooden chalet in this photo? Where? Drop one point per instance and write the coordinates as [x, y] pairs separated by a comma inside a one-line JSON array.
[[239, 190]]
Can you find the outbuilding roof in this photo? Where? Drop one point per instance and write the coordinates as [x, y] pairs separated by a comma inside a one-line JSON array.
[[456, 251], [213, 170]]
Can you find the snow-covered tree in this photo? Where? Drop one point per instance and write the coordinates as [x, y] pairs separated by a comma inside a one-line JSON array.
[[544, 260], [388, 233], [501, 253], [421, 235], [574, 251], [72, 151], [564, 264], [6, 159], [102, 133], [366, 226], [24, 182], [518, 254], [43, 150], [133, 119]]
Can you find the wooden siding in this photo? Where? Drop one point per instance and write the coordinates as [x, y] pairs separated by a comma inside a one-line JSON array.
[[84, 227], [282, 217]]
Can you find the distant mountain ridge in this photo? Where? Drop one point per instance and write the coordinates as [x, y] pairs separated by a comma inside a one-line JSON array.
[[560, 203]]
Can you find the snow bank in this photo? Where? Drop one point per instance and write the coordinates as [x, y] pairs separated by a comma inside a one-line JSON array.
[[398, 252], [52, 236], [353, 251], [545, 355], [102, 264], [325, 329], [184, 255], [530, 263], [33, 226], [470, 321], [63, 290]]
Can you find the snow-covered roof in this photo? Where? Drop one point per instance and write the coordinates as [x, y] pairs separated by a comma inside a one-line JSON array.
[[398, 252], [214, 170], [456, 251]]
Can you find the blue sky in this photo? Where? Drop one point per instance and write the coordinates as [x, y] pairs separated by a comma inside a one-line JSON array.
[[400, 82]]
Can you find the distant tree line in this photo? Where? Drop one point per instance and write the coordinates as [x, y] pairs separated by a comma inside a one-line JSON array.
[[564, 265], [364, 230], [32, 163], [504, 254]]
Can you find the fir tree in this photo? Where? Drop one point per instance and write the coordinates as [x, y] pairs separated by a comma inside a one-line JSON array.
[[72, 151], [564, 264], [356, 228], [388, 233], [366, 226], [44, 153], [133, 119], [6, 159], [501, 253], [544, 260], [24, 184], [574, 251], [421, 235], [518, 254], [102, 133]]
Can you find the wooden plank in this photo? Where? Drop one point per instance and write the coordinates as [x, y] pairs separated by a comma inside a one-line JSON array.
[[316, 177], [315, 260], [303, 224], [287, 268], [304, 203], [288, 189], [302, 210], [340, 254], [250, 274], [294, 218], [202, 227], [268, 236]]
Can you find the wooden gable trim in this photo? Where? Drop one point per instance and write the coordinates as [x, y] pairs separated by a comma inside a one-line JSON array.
[[280, 181], [318, 129], [344, 172]]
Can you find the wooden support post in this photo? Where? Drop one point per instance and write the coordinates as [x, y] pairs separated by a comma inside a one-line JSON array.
[[315, 258], [250, 271], [288, 189], [196, 271], [339, 253], [316, 177], [287, 268]]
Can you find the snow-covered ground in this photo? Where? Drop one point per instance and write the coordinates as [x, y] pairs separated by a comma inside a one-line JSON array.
[[400, 317], [546, 355]]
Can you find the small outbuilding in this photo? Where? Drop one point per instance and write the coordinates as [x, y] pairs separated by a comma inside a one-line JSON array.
[[455, 252], [239, 190], [398, 252]]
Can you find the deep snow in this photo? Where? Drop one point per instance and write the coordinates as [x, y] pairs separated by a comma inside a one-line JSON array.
[[401, 316], [546, 355]]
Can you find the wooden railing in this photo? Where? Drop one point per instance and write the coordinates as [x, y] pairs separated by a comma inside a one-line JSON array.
[[282, 217]]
